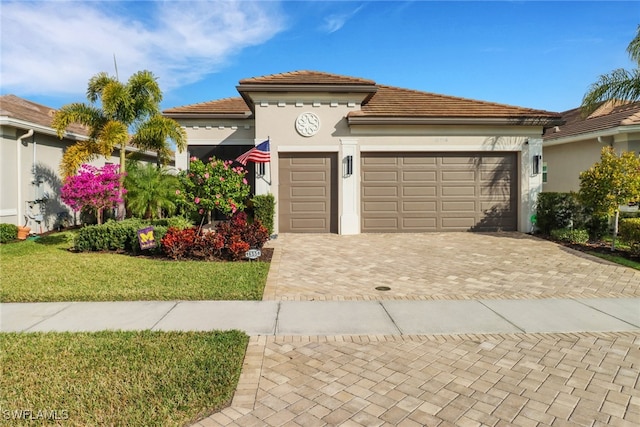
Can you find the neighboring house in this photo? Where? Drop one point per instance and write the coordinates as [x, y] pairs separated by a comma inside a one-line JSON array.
[[30, 155], [350, 156], [576, 145]]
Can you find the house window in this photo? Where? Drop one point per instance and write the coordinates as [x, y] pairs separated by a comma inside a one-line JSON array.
[[544, 172]]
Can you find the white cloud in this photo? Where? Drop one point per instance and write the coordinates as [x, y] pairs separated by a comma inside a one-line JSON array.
[[334, 22], [55, 47]]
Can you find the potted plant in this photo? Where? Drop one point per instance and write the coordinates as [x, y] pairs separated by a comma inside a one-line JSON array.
[[23, 232]]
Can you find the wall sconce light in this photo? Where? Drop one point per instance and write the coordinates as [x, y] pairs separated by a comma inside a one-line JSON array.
[[348, 166], [537, 162], [261, 169]]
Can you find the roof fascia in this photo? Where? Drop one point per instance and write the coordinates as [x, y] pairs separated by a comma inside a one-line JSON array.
[[530, 121], [591, 135], [23, 124], [246, 115]]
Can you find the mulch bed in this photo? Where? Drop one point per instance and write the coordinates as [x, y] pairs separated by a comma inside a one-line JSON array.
[[598, 247]]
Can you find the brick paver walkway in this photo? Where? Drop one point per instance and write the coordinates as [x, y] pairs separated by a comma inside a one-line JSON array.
[[523, 380], [587, 379]]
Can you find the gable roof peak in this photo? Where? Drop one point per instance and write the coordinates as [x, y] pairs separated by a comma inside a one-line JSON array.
[[303, 77]]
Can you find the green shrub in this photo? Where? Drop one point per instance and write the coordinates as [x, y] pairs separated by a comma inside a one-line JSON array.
[[8, 232], [174, 221], [123, 235], [629, 231], [571, 236], [264, 206], [558, 210]]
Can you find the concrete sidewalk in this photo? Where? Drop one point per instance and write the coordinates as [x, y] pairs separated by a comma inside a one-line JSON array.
[[330, 318]]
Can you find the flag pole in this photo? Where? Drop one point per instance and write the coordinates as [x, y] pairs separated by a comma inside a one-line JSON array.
[[269, 140]]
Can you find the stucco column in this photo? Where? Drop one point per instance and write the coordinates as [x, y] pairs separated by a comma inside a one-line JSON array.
[[182, 160], [531, 183], [349, 169]]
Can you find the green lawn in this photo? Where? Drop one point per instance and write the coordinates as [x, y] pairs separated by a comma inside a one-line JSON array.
[[617, 259], [45, 270], [117, 378]]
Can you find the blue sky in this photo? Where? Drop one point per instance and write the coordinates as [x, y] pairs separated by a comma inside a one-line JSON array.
[[533, 54]]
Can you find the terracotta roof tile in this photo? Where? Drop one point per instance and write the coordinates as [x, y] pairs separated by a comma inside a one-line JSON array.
[[21, 109], [303, 77], [606, 117], [387, 101], [392, 101], [235, 105]]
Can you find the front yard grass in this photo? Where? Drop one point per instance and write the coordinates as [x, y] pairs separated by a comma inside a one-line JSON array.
[[117, 378], [44, 270]]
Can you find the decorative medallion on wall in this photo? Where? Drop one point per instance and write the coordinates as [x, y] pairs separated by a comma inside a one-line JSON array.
[[307, 124]]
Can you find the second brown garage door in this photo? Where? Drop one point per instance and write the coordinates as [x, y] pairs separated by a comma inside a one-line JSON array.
[[415, 192], [308, 193]]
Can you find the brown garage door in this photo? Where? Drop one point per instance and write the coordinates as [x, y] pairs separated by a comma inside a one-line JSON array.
[[308, 193], [414, 192]]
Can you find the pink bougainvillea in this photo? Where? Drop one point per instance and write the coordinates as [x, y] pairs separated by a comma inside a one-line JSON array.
[[93, 188]]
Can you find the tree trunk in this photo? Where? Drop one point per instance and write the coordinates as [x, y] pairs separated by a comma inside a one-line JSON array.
[[121, 207], [615, 230]]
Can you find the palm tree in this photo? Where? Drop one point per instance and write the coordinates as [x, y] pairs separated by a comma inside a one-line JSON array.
[[150, 190], [620, 84], [123, 107]]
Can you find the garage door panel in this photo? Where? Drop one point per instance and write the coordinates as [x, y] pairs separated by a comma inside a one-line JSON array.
[[420, 160], [419, 176], [308, 176], [308, 191], [380, 191], [373, 160], [307, 201], [438, 191], [308, 207], [381, 224], [419, 224], [468, 206], [419, 191], [419, 206], [299, 224], [381, 176], [458, 176], [380, 206], [458, 190]]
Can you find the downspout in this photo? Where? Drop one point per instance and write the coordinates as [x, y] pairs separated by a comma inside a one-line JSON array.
[[19, 169]]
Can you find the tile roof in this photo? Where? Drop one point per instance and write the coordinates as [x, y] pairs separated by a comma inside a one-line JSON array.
[[235, 105], [608, 116], [305, 77], [386, 101], [21, 109], [391, 101]]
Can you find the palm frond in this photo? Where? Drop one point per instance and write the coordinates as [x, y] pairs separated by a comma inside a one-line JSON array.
[[80, 113], [145, 93], [634, 47], [113, 134], [619, 84], [77, 154], [156, 133], [97, 84]]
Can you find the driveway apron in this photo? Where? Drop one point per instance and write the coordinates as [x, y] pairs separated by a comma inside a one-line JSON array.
[[463, 379]]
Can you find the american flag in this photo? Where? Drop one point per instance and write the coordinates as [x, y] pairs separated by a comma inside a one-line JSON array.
[[258, 154]]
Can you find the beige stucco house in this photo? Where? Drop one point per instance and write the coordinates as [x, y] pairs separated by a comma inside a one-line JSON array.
[[575, 146], [349, 155], [30, 155]]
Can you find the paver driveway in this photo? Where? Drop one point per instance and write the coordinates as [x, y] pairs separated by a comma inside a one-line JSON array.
[[585, 379], [439, 266]]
